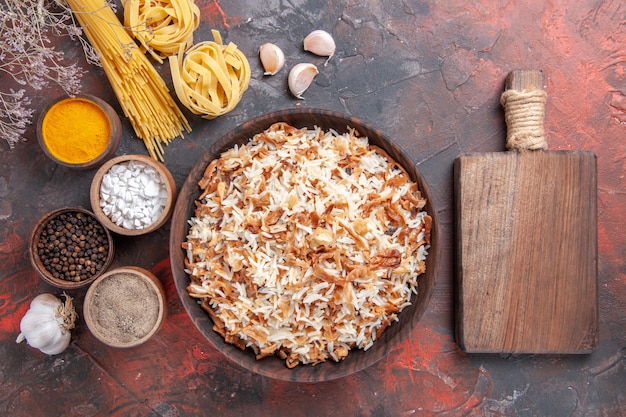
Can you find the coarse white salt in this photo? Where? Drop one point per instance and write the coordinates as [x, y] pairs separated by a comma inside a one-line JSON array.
[[133, 195]]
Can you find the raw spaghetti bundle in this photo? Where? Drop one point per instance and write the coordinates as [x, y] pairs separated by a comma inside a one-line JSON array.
[[162, 26], [140, 90], [211, 78]]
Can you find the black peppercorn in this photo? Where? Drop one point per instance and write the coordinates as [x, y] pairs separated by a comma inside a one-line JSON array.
[[68, 242]]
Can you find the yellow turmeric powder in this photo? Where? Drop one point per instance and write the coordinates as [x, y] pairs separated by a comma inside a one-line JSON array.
[[76, 130]]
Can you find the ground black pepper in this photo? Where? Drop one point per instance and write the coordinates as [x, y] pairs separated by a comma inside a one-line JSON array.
[[73, 246]]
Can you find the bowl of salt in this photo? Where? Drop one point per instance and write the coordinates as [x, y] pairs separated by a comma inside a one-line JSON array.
[[132, 195]]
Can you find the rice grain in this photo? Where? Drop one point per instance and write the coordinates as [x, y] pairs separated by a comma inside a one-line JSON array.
[[306, 244]]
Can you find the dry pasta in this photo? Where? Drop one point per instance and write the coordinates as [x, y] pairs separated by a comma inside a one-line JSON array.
[[162, 26], [140, 90], [211, 77]]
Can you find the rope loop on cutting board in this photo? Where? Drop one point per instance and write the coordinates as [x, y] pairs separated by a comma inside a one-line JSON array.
[[524, 114]]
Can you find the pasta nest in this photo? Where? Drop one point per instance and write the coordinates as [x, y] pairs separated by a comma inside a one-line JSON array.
[[162, 26], [211, 77]]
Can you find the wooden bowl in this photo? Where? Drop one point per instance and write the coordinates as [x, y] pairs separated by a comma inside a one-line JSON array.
[[95, 195], [274, 367], [39, 263], [64, 124], [125, 307]]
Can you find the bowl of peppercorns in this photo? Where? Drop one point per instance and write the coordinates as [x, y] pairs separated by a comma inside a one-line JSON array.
[[70, 248]]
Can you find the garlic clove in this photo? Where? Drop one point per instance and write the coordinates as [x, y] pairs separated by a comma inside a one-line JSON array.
[[47, 324], [42, 331], [320, 43], [57, 346], [272, 58], [44, 303], [300, 78]]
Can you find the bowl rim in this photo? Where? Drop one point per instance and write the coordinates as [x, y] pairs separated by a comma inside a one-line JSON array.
[[94, 194], [143, 274], [328, 370], [115, 136], [41, 270]]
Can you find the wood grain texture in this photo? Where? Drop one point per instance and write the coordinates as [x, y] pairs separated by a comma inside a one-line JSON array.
[[527, 252], [521, 79]]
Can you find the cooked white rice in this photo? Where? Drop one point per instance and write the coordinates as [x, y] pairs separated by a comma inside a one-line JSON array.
[[306, 244]]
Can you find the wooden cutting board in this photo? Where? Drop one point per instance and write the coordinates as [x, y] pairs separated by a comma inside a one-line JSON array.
[[526, 223]]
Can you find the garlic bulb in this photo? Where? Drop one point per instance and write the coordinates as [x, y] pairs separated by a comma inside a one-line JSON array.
[[300, 78], [47, 324], [272, 58], [320, 43]]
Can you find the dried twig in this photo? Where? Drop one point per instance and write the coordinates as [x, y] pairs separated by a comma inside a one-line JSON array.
[[28, 55]]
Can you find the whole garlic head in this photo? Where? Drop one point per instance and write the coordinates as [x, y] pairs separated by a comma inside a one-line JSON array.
[[47, 324], [272, 58], [320, 43], [300, 78]]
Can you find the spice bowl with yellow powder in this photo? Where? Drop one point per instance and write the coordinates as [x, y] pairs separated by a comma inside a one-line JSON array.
[[79, 132]]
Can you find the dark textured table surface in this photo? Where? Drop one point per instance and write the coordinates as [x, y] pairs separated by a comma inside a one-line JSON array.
[[427, 73]]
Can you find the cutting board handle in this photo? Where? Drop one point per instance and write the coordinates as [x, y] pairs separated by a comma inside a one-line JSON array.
[[524, 100]]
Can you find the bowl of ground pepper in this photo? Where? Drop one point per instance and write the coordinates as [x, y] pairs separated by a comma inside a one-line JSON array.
[[125, 306], [70, 248], [79, 132]]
